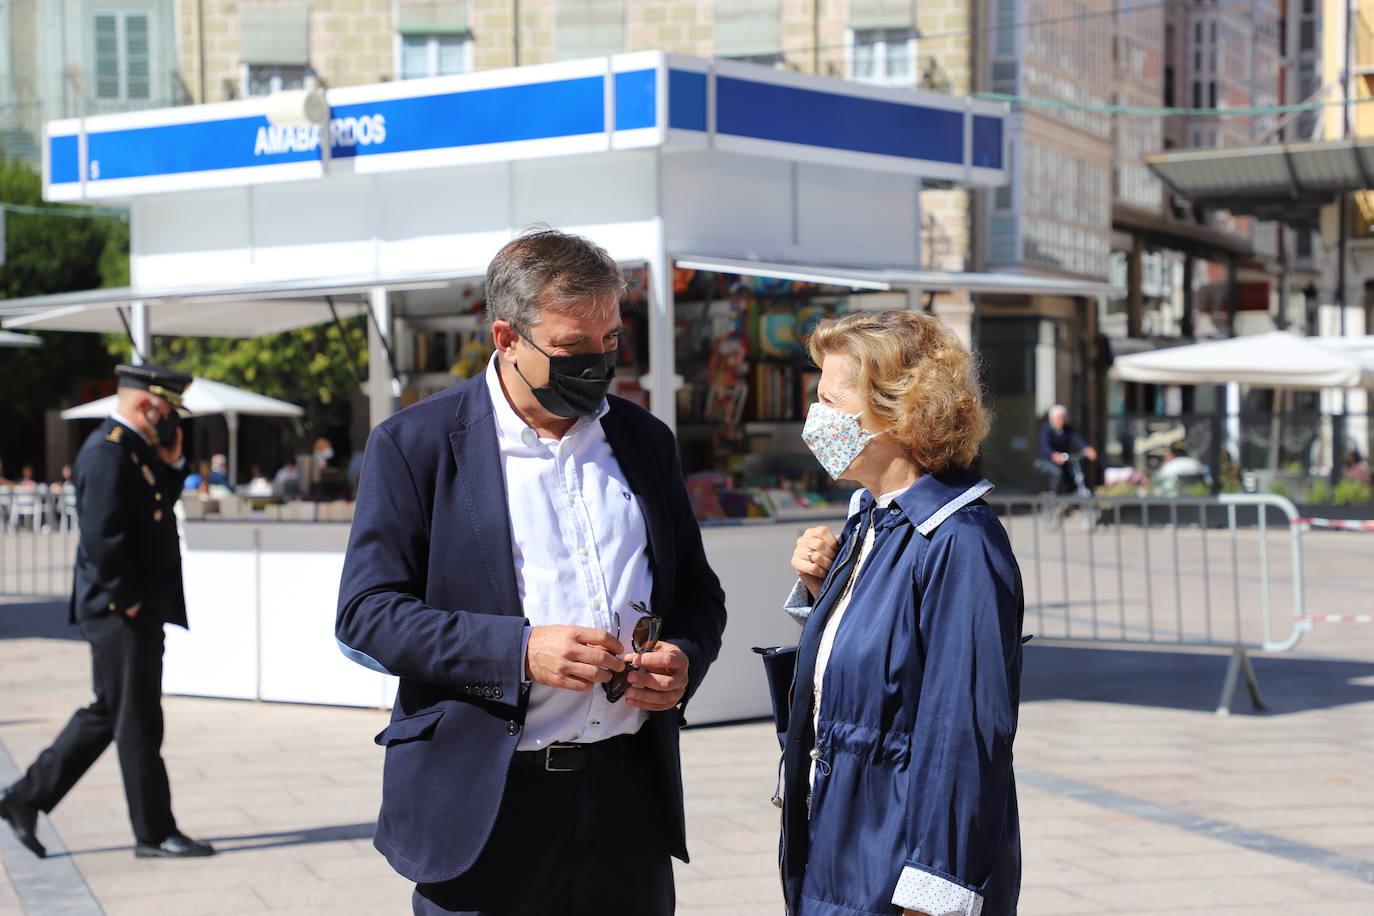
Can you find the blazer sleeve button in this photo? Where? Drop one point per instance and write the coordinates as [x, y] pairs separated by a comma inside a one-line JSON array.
[[512, 728], [497, 692]]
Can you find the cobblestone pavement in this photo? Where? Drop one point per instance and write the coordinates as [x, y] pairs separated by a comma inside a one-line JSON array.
[[1135, 798]]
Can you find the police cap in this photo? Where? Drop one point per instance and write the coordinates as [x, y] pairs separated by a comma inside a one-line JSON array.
[[165, 383]]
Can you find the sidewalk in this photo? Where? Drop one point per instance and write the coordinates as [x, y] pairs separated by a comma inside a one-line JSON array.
[[1135, 799]]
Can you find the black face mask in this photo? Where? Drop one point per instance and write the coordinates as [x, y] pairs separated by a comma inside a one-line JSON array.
[[577, 384], [167, 430]]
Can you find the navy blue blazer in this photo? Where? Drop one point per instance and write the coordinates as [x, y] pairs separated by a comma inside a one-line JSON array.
[[429, 593]]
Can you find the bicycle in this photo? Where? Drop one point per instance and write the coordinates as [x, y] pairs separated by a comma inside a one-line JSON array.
[[1055, 508]]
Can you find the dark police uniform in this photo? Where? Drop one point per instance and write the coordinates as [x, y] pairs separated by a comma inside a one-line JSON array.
[[128, 556]]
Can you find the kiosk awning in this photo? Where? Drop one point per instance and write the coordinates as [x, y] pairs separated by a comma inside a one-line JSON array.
[[1285, 180], [883, 278], [248, 310]]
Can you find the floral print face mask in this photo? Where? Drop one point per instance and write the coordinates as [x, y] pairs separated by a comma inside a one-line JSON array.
[[835, 438]]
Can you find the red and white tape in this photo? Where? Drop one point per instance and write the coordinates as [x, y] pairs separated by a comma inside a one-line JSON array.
[[1340, 524], [1340, 618]]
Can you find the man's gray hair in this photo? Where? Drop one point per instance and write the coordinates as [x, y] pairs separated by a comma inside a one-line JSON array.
[[547, 269], [1058, 408]]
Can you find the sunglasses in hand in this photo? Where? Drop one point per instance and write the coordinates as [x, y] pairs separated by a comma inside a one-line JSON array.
[[645, 634]]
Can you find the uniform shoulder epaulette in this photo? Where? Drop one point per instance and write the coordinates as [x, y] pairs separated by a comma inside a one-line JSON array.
[[115, 434]]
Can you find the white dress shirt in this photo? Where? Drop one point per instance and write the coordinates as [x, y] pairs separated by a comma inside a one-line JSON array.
[[125, 421], [581, 555]]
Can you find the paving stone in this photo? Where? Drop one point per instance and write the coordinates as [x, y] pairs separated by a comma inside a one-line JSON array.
[[295, 835]]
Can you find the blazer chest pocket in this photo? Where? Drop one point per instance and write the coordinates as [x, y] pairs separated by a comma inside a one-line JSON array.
[[411, 728]]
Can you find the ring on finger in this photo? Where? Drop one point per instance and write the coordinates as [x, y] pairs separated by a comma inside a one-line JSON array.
[[810, 556]]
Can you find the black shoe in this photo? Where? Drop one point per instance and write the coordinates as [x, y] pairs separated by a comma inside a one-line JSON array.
[[176, 846], [23, 819]]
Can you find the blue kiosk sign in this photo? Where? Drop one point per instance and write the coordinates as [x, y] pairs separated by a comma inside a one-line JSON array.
[[624, 102]]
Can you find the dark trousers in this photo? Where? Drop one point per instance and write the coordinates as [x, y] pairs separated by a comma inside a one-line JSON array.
[[126, 666], [571, 844]]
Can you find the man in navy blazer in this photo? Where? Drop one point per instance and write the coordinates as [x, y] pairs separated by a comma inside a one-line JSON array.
[[502, 530]]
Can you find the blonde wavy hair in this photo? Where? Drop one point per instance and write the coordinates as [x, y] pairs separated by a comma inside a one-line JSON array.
[[917, 380]]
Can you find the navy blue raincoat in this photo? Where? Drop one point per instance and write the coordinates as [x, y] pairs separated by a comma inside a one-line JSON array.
[[913, 799]]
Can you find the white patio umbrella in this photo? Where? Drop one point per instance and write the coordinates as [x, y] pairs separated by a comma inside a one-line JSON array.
[[11, 339], [205, 398], [1278, 359]]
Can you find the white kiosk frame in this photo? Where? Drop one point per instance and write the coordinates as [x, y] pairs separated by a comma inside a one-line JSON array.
[[239, 226]]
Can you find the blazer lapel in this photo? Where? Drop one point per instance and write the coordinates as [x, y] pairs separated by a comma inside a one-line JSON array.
[[483, 487]]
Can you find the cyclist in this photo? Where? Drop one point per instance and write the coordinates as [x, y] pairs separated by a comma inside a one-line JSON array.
[[1059, 442]]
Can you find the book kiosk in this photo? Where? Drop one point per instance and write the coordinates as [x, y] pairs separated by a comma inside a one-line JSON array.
[[745, 203]]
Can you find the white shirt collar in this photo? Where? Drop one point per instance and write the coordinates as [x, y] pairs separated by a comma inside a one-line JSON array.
[[509, 427], [124, 421]]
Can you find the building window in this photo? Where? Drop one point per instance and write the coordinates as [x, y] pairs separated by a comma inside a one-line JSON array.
[[265, 79], [1004, 77], [883, 56], [1307, 35], [123, 68], [434, 55], [274, 46], [1197, 94], [1212, 94]]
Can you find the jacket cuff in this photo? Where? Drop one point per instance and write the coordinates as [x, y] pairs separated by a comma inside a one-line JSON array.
[[935, 893], [520, 676], [798, 603]]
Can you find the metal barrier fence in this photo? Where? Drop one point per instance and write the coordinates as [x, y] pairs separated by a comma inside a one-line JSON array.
[[37, 541], [1224, 572]]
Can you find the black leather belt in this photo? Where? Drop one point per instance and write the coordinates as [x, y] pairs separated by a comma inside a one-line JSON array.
[[584, 758]]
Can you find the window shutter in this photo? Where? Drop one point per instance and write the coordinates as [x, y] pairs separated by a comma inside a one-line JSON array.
[[106, 56], [278, 33], [137, 69], [433, 17], [590, 28], [748, 28], [882, 14]]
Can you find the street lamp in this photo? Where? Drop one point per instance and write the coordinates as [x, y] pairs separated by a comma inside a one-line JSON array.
[[303, 108]]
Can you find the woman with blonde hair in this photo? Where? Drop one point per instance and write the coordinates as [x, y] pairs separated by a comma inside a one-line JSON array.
[[898, 794]]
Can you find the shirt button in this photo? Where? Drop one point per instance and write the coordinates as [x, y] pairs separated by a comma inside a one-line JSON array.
[[583, 551], [594, 723], [529, 437], [596, 605]]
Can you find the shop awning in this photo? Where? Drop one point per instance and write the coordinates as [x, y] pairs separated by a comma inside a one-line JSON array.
[[973, 281], [853, 277], [1281, 180], [246, 310], [10, 339], [877, 278]]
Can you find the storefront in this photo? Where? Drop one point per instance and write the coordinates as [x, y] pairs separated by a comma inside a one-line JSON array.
[[746, 203]]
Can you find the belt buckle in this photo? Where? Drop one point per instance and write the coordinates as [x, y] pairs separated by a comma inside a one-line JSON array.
[[548, 757]]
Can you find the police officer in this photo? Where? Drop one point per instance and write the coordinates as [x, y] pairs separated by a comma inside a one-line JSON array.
[[127, 584]]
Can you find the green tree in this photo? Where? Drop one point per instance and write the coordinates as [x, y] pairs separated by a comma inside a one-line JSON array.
[[54, 253], [316, 367]]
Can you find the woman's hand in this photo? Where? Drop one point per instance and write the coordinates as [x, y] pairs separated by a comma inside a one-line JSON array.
[[815, 552]]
